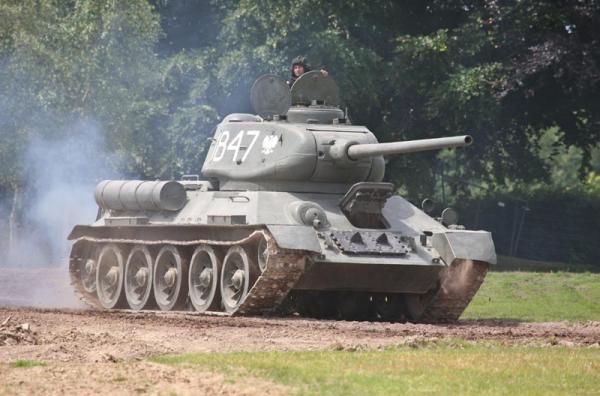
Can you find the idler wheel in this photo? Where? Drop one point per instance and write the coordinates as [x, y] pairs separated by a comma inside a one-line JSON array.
[[237, 277], [87, 273], [170, 279], [138, 278], [109, 277], [262, 254], [204, 278]]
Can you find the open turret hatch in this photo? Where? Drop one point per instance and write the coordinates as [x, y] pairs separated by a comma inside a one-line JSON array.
[[313, 99], [270, 96], [315, 88]]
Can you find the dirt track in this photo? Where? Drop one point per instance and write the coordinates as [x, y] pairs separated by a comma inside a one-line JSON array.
[[93, 336], [107, 348], [91, 352]]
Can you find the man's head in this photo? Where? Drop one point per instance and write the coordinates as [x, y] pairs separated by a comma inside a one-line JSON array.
[[298, 70], [299, 66]]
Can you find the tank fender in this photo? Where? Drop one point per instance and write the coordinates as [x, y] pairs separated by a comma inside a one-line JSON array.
[[295, 237], [78, 231], [465, 245]]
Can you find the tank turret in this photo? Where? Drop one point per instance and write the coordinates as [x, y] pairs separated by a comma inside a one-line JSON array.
[[301, 139]]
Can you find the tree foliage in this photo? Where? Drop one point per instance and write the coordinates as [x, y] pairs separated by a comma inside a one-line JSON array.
[[65, 61], [157, 76]]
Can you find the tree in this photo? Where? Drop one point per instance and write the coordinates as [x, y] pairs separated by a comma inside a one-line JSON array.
[[70, 60], [66, 66], [502, 71]]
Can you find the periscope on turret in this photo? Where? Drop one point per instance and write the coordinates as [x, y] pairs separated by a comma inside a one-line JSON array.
[[292, 217]]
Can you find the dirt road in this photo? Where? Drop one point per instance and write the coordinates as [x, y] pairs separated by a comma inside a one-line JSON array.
[[93, 336], [92, 352], [106, 349], [83, 335]]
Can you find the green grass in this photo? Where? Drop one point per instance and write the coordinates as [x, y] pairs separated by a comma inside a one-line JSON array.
[[537, 296], [442, 368], [447, 367], [25, 363], [509, 263]]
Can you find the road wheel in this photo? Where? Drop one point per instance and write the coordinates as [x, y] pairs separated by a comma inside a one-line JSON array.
[[237, 277], [204, 278], [109, 277], [170, 279], [138, 277]]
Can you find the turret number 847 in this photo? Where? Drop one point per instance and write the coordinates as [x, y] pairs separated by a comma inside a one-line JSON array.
[[224, 144]]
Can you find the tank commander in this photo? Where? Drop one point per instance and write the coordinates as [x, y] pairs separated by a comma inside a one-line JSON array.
[[300, 66]]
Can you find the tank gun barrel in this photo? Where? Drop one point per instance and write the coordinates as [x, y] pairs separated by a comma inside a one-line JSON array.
[[358, 151]]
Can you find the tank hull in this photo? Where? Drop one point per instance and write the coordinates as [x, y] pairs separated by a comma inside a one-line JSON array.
[[394, 273]]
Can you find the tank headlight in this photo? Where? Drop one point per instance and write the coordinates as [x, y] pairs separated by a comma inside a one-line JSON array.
[[308, 213]]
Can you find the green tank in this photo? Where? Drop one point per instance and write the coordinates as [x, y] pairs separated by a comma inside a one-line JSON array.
[[291, 216]]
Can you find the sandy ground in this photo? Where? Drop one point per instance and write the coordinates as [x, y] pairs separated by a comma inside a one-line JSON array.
[[91, 351], [100, 336], [102, 352]]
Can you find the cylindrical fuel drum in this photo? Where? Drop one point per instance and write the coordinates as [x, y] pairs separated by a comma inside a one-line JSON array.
[[140, 195]]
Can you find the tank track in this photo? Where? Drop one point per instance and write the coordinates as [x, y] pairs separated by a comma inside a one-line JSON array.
[[443, 304], [283, 269], [458, 286], [77, 285]]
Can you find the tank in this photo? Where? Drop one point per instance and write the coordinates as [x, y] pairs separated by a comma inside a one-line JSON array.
[[290, 216]]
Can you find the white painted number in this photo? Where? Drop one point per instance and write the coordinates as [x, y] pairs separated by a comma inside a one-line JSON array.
[[235, 144], [221, 146], [224, 145], [254, 135]]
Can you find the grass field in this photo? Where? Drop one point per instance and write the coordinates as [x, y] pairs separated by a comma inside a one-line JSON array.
[[436, 368], [508, 263], [432, 366], [537, 296], [447, 367]]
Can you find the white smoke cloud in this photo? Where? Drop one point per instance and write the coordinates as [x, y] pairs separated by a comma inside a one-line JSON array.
[[61, 175], [64, 173]]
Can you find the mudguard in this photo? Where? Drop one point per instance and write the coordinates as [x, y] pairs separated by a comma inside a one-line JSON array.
[[465, 245], [295, 237]]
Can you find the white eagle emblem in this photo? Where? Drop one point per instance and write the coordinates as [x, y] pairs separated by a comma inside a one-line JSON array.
[[269, 143]]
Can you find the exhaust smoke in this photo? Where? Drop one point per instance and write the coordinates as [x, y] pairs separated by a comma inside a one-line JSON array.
[[60, 178]]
